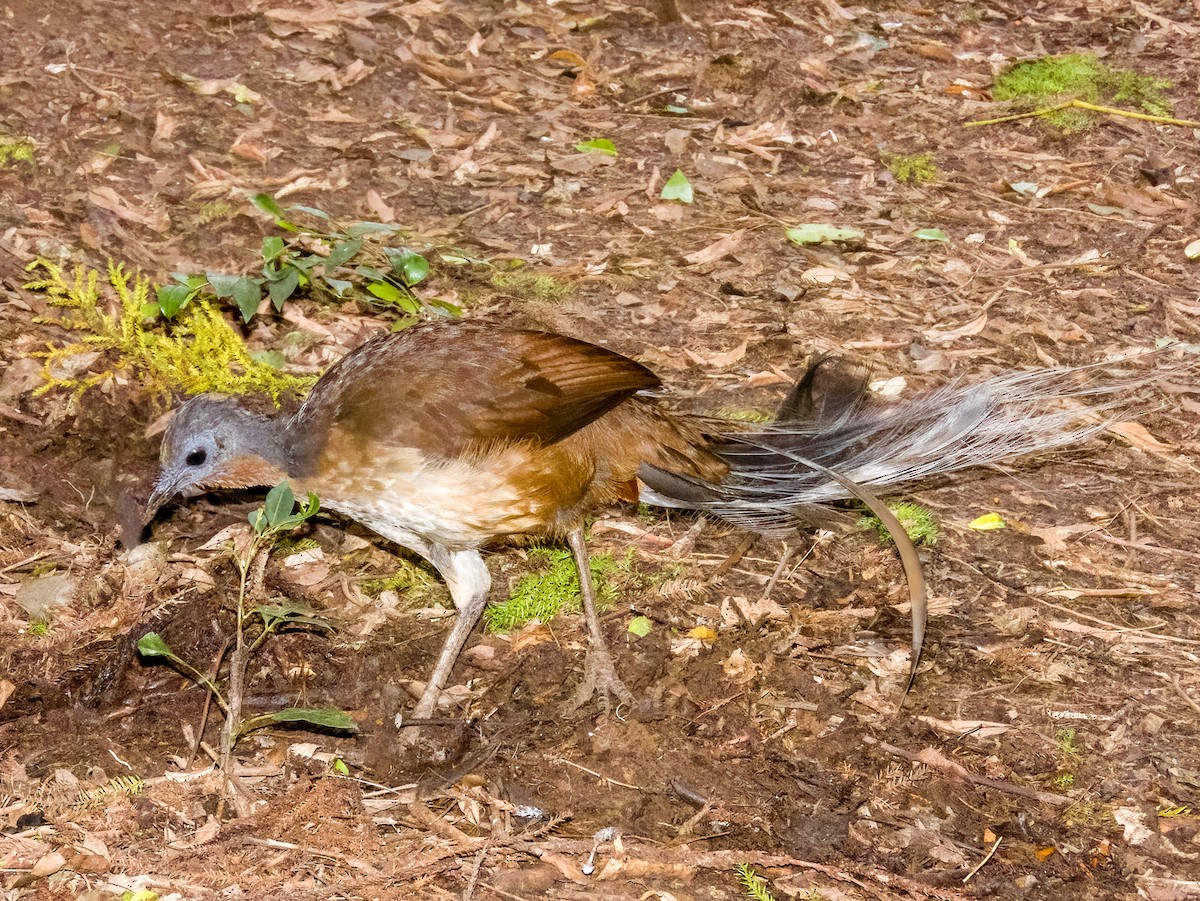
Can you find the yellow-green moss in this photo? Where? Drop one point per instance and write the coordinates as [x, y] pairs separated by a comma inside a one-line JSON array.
[[914, 168], [919, 523], [1080, 76], [15, 150], [554, 587], [201, 352], [530, 285]]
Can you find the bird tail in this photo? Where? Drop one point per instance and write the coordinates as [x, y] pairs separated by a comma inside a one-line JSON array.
[[828, 433]]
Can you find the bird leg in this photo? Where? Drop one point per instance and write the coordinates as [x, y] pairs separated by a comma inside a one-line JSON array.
[[468, 579], [599, 674]]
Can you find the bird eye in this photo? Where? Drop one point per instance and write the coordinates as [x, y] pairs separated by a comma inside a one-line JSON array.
[[196, 457]]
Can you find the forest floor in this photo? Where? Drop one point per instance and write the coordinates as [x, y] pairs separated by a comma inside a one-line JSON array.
[[1050, 747]]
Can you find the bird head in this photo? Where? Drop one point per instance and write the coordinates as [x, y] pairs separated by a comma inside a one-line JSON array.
[[215, 442]]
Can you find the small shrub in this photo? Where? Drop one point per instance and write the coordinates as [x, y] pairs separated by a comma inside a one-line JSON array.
[[199, 352]]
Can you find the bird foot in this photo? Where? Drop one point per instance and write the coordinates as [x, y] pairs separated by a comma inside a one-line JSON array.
[[600, 677]]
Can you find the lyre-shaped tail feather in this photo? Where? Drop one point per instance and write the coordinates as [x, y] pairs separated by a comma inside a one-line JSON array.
[[772, 486]]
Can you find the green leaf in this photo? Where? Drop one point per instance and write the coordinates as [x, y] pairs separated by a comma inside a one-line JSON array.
[[385, 291], [310, 506], [358, 229], [272, 247], [194, 280], [319, 716], [931, 234], [408, 264], [247, 295], [173, 298], [445, 307], [640, 626], [821, 233], [283, 287], [337, 285], [291, 613], [597, 145], [371, 272], [678, 188], [245, 291], [280, 503], [267, 204], [307, 261], [311, 210], [342, 251], [152, 645], [339, 767]]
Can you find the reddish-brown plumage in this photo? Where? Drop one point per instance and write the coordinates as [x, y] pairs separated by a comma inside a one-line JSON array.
[[536, 429], [444, 437]]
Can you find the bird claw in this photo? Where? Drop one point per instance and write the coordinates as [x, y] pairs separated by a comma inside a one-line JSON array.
[[600, 677]]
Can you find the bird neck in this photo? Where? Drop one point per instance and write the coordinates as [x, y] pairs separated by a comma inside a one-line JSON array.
[[264, 437]]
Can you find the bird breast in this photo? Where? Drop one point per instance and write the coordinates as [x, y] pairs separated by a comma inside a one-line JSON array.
[[458, 502]]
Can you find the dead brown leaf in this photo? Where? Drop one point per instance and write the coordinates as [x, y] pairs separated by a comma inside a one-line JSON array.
[[106, 198], [1139, 436], [717, 249], [718, 360]]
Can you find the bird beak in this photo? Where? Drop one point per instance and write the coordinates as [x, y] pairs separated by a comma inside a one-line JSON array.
[[164, 490]]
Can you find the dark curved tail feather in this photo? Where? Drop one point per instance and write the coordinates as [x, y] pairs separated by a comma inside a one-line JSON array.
[[771, 488]]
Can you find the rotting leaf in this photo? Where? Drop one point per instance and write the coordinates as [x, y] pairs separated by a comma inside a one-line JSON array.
[[931, 234], [328, 717], [640, 626], [717, 249], [1192, 251], [988, 522], [597, 145], [821, 233]]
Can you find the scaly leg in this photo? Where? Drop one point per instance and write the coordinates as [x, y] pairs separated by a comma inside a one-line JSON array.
[[468, 579], [599, 674]]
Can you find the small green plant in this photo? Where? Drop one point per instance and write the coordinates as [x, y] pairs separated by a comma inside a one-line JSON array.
[[199, 352], [1069, 755], [330, 260], [542, 595], [1080, 76], [1063, 781], [755, 885], [543, 288], [255, 624], [913, 168], [15, 150], [37, 628], [1068, 746], [918, 522]]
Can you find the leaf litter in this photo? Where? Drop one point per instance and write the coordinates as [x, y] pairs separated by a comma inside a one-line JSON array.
[[470, 127]]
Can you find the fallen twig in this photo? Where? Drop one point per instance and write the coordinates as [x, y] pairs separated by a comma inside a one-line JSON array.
[[938, 761], [1093, 107]]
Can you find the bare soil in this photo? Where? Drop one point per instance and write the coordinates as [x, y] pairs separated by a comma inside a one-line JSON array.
[[1049, 748]]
